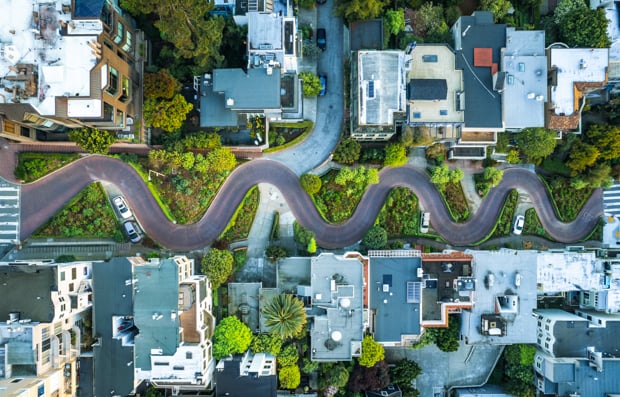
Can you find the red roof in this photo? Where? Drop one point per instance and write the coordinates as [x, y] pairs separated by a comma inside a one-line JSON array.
[[483, 57]]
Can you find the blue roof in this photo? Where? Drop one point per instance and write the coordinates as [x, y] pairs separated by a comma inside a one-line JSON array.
[[88, 8]]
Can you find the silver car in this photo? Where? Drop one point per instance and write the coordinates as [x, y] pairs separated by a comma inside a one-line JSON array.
[[132, 232], [121, 207]]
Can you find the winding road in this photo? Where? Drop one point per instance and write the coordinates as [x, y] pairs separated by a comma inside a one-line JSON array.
[[43, 198]]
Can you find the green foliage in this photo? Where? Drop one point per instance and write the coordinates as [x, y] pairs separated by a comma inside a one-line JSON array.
[[65, 258], [564, 7], [536, 143], [395, 155], [440, 175], [284, 315], [404, 373], [606, 139], [168, 115], [160, 85], [447, 339], [513, 157], [429, 24], [331, 374], [32, 166], [275, 227], [240, 223], [221, 159], [217, 265], [274, 253], [499, 8], [584, 28], [309, 366], [503, 227], [199, 140], [493, 175], [400, 216], [302, 235], [153, 392], [394, 21], [437, 152], [375, 238], [581, 157], [518, 371], [311, 84], [288, 356], [266, 343], [311, 248], [93, 140], [240, 257], [230, 336], [415, 136], [372, 352], [311, 183], [289, 377], [359, 10], [347, 151]]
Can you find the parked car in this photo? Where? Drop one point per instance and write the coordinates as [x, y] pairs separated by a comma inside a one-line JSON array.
[[323, 80], [321, 1], [490, 280], [518, 227], [518, 279], [321, 39], [425, 222], [121, 207], [131, 231]]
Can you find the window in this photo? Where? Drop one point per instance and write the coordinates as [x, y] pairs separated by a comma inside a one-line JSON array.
[[178, 368], [125, 89], [128, 42], [71, 287], [521, 67], [108, 44], [37, 120], [112, 81], [119, 33], [73, 273], [16, 380], [62, 276], [429, 58], [417, 115], [108, 112], [443, 112], [188, 355]]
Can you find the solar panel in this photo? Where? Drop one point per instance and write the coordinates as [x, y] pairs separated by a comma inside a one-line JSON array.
[[371, 89], [414, 290]]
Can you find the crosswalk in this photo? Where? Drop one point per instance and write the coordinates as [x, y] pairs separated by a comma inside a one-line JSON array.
[[9, 212], [611, 200]]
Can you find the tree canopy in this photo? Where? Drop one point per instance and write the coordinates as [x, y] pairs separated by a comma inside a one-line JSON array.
[[288, 355], [375, 237], [536, 143], [160, 85], [310, 183], [266, 343], [584, 28], [372, 352], [284, 315], [606, 138], [347, 151], [395, 21], [217, 266], [404, 373], [395, 155], [168, 115], [93, 140], [582, 156], [499, 8], [311, 84], [369, 378], [289, 377], [230, 336], [359, 10], [274, 253]]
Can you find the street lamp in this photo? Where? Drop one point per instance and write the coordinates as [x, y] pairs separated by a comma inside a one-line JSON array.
[[159, 174]]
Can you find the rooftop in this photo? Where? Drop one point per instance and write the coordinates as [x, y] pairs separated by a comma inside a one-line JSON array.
[[504, 265], [112, 296], [27, 289], [243, 301], [482, 103], [45, 55], [568, 271], [396, 315], [381, 82], [233, 379], [572, 66], [271, 41], [525, 88], [337, 297], [587, 381], [257, 89]]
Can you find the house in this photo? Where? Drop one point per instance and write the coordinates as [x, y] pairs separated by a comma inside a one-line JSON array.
[[238, 374], [68, 64], [272, 41], [336, 308], [577, 354], [378, 94], [43, 307], [574, 73]]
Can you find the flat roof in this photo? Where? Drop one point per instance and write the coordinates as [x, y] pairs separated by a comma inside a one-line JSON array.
[[265, 31], [27, 289], [381, 82], [337, 294], [482, 103], [243, 302], [568, 271], [256, 89], [504, 265], [215, 113], [525, 87], [393, 317], [156, 303], [43, 60], [112, 296], [575, 65], [590, 382], [366, 35]]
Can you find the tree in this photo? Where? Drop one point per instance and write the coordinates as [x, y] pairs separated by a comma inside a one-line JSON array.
[[404, 373], [288, 356], [582, 156], [311, 83], [447, 339], [395, 155], [585, 28], [347, 151], [311, 248], [160, 85], [330, 374], [499, 8], [230, 336], [167, 115], [274, 253], [93, 140], [372, 352], [375, 238], [359, 10], [429, 22], [344, 176], [415, 136], [266, 343], [310, 50], [309, 366], [301, 234], [221, 159], [493, 175], [456, 175], [311, 183], [284, 315], [599, 176], [395, 21], [372, 378], [436, 152], [606, 138], [536, 143], [566, 6], [440, 175], [217, 266], [513, 157], [289, 377]]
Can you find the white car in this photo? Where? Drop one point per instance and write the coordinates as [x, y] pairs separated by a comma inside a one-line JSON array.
[[121, 206], [518, 227], [425, 221]]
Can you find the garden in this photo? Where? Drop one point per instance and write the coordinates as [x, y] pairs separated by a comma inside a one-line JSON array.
[[284, 135], [241, 222], [32, 166]]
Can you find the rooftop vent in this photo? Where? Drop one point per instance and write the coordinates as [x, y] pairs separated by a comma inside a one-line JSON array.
[[336, 336], [269, 71], [345, 302], [230, 102]]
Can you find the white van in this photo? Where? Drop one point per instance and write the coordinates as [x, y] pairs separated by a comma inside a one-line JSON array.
[[425, 221]]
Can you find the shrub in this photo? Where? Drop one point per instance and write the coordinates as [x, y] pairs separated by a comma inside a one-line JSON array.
[[311, 183], [289, 377], [375, 238]]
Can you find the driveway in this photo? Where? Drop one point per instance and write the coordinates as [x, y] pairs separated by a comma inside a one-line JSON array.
[[330, 108], [43, 198]]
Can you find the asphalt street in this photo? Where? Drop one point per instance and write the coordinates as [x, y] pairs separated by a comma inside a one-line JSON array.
[[43, 198]]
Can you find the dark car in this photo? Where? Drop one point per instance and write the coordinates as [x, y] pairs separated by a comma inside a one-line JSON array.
[[321, 1], [321, 39], [323, 80]]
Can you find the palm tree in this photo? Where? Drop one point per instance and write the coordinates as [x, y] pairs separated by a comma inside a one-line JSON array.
[[284, 315]]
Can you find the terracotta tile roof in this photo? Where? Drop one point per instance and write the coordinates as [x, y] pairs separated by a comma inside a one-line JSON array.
[[483, 57], [564, 123], [494, 69]]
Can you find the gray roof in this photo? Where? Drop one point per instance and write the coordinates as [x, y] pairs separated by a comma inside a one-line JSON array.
[[589, 382], [156, 304], [573, 337], [427, 89], [366, 35], [213, 112], [482, 104], [111, 297], [255, 89], [26, 289], [394, 316], [230, 382]]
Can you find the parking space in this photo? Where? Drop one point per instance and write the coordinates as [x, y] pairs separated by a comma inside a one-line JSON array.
[[123, 213]]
